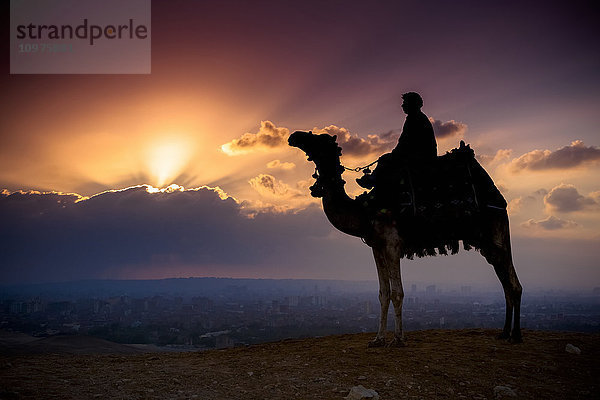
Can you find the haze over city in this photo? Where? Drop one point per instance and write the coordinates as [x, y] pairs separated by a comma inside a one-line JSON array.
[[187, 172]]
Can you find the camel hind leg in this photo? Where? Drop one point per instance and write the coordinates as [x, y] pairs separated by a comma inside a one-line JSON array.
[[384, 297], [498, 253]]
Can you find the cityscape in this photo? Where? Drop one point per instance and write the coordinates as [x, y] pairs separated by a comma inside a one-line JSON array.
[[206, 313]]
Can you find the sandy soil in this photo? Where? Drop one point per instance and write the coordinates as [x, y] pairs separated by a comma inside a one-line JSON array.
[[437, 364]]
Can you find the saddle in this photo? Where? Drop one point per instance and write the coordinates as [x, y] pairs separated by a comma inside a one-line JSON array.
[[437, 203]]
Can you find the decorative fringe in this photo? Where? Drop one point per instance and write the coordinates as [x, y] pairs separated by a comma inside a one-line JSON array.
[[410, 250]]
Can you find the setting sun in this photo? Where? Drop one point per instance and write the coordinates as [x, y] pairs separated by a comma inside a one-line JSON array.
[[167, 158]]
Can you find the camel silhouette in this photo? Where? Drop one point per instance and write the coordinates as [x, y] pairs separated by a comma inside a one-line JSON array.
[[429, 214]]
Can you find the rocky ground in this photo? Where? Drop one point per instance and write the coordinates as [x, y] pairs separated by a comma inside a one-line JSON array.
[[437, 364]]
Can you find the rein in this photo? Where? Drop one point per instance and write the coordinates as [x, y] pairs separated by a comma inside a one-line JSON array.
[[358, 169]]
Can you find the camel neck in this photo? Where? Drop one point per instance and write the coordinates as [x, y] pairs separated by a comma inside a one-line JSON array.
[[343, 212]]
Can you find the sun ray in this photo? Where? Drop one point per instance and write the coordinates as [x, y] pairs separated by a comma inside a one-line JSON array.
[[166, 158]]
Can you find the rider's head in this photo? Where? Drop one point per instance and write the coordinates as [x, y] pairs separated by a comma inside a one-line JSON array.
[[411, 102]]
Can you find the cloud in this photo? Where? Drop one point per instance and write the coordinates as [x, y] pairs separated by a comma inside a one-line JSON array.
[[268, 185], [56, 236], [276, 164], [355, 146], [448, 129], [566, 198], [566, 157], [500, 156], [268, 137], [551, 223], [271, 137], [515, 205]]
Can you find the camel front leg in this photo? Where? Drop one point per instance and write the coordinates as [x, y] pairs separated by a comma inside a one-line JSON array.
[[393, 260], [384, 297]]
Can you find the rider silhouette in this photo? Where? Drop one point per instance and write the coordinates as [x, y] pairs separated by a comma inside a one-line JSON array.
[[416, 143]]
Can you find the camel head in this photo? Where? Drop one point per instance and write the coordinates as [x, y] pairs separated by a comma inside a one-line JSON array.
[[325, 152], [318, 148]]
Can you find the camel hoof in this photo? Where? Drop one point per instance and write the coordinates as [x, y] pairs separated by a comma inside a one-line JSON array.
[[377, 342], [515, 339], [503, 336], [397, 342]]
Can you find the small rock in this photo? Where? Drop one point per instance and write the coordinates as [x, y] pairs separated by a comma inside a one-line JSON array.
[[572, 349], [250, 373], [504, 391], [360, 392], [362, 378]]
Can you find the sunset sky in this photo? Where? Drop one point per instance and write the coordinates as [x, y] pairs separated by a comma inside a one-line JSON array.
[[230, 80]]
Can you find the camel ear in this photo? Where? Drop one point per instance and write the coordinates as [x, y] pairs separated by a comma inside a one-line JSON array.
[[334, 138]]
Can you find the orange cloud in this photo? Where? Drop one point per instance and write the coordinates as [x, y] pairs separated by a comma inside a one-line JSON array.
[[270, 186], [500, 156], [268, 136], [276, 164], [354, 145], [271, 137], [566, 157]]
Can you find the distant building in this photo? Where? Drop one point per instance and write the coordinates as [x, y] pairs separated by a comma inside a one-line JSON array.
[[224, 342], [292, 301], [275, 306]]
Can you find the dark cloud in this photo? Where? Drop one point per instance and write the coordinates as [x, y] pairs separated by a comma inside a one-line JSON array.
[[566, 157], [551, 223], [448, 129], [566, 198], [52, 236], [268, 137]]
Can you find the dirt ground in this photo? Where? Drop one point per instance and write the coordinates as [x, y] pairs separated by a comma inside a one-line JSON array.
[[437, 364]]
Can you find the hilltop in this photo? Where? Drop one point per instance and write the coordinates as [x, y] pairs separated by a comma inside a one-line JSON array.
[[21, 344], [437, 364]]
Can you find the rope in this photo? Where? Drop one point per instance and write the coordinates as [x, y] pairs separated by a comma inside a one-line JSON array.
[[358, 169]]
